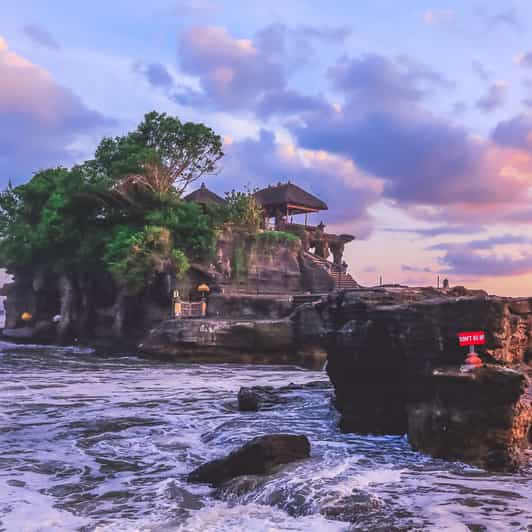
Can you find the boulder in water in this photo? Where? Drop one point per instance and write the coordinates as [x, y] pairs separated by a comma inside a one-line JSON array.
[[257, 397], [256, 457]]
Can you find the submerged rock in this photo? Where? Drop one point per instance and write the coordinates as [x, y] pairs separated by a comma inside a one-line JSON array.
[[251, 399], [256, 457], [254, 398]]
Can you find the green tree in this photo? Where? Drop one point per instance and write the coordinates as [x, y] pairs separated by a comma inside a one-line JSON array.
[[241, 208], [161, 154], [135, 256]]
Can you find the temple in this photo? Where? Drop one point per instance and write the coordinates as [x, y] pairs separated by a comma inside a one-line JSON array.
[[287, 207], [204, 196], [284, 201]]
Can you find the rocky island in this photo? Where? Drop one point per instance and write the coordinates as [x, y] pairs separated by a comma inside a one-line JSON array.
[[112, 251]]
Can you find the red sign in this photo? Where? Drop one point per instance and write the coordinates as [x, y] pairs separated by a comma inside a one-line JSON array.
[[472, 338]]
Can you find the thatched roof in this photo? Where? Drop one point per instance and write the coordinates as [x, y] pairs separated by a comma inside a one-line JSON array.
[[204, 196], [288, 194]]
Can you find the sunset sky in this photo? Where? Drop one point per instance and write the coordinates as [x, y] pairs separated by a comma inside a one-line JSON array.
[[411, 119]]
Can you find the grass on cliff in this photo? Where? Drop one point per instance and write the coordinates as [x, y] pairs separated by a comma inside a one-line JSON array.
[[268, 239]]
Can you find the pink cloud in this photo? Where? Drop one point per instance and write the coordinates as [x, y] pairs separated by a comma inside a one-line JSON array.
[[39, 117]]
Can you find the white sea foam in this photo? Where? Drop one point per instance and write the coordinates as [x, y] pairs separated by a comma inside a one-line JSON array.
[[107, 442]]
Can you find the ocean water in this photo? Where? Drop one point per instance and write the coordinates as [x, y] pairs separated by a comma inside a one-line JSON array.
[[93, 442]]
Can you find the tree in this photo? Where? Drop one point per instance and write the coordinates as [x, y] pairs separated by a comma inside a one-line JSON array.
[[135, 256], [161, 154], [242, 208]]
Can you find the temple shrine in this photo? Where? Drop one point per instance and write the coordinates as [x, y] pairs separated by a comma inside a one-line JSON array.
[[287, 207]]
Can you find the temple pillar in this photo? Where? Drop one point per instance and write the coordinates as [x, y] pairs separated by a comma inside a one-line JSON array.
[[337, 250]]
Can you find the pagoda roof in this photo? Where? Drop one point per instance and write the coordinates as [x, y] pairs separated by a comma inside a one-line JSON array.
[[204, 195], [289, 194]]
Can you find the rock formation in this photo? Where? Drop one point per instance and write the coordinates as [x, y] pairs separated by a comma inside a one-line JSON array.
[[256, 457], [393, 357]]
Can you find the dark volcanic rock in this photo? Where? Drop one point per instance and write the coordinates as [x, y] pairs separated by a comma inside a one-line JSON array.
[[384, 347], [482, 416], [256, 457], [248, 400], [257, 398], [221, 338]]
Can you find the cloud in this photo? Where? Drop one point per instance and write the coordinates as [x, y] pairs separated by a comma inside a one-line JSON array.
[[239, 74], [461, 260], [486, 243], [494, 98], [438, 230], [480, 70], [524, 59], [41, 36], [507, 18], [336, 180], [435, 16], [155, 73], [232, 72], [407, 268], [40, 118], [426, 162], [515, 132], [289, 102], [376, 81], [423, 159]]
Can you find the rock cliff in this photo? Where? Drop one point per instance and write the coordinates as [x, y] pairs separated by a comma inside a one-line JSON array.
[[393, 358]]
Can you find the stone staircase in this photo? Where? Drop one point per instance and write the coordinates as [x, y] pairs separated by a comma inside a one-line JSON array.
[[342, 280]]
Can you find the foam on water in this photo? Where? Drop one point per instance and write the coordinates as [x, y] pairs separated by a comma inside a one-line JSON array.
[[105, 443]]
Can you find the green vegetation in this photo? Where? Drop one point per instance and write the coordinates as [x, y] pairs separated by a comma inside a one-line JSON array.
[[273, 238], [119, 214], [241, 208]]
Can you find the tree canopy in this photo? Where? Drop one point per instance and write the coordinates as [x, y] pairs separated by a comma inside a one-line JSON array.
[[120, 213]]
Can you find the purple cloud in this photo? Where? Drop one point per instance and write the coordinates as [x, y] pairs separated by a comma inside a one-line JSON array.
[[507, 17], [494, 98], [514, 133], [464, 261], [525, 60], [155, 73], [481, 71], [41, 37], [438, 230], [248, 73], [384, 128], [423, 159], [233, 73], [40, 119], [376, 81], [264, 161], [486, 243], [288, 102], [407, 268]]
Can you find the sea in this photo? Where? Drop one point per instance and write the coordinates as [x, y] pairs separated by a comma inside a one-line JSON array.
[[97, 441]]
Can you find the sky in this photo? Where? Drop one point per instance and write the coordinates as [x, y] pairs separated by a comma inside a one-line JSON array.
[[411, 119]]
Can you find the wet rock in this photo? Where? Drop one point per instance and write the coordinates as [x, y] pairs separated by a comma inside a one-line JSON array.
[[384, 345], [20, 333], [256, 457], [482, 417], [222, 338], [254, 398], [238, 306], [251, 399], [248, 400], [45, 331]]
